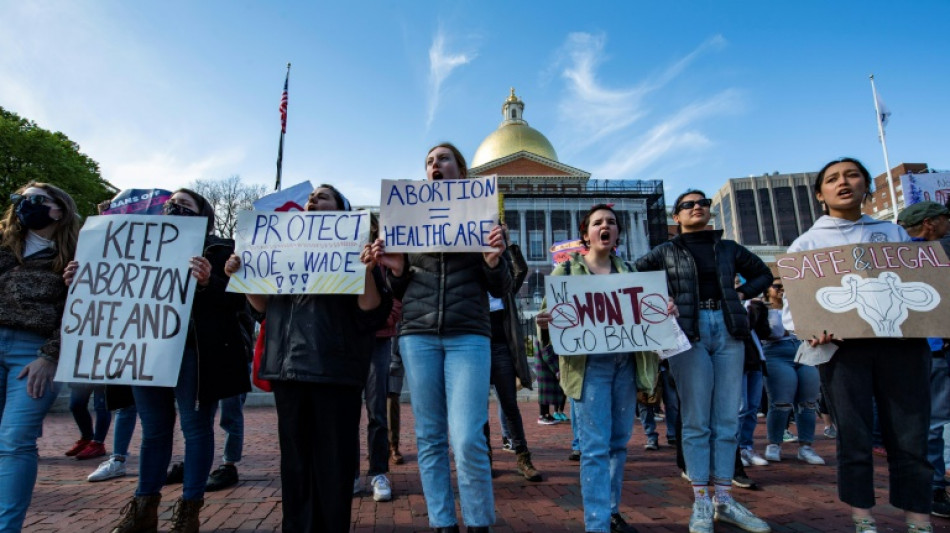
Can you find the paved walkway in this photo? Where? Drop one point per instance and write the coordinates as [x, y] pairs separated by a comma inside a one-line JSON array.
[[795, 497]]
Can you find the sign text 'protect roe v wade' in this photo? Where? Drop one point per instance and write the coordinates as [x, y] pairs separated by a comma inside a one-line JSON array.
[[310, 252], [609, 314], [129, 304], [438, 215]]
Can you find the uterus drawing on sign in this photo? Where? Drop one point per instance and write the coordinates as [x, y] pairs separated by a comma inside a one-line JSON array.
[[882, 302]]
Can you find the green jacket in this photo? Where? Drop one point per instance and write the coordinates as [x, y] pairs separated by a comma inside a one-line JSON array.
[[573, 366]]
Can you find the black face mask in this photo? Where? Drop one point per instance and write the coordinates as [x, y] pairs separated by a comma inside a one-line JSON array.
[[178, 210], [33, 216]]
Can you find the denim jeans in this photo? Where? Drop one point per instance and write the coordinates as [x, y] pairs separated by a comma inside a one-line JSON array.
[[503, 378], [896, 373], [448, 378], [377, 386], [791, 386], [709, 380], [604, 421], [749, 407], [156, 407], [647, 416], [21, 423], [79, 394], [232, 422], [939, 417], [122, 430], [575, 439]]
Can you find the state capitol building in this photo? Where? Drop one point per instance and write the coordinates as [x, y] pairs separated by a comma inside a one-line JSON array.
[[545, 199]]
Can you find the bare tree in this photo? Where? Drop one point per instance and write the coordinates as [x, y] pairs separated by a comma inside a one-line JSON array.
[[228, 196]]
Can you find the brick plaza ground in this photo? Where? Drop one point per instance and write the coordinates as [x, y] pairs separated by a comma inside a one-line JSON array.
[[794, 497]]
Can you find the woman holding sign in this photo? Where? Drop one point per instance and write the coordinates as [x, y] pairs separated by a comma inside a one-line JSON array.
[[701, 268], [603, 386], [894, 372], [37, 239], [444, 339], [317, 350]]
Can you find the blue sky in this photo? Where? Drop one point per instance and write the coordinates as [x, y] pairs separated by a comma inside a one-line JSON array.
[[692, 93]]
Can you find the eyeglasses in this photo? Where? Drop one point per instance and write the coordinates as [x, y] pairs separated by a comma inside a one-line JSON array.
[[34, 199], [703, 202]]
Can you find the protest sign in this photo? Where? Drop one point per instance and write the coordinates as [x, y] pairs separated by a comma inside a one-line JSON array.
[[138, 202], [289, 199], [439, 215], [310, 252], [931, 187], [895, 289], [561, 250], [609, 314], [130, 300]]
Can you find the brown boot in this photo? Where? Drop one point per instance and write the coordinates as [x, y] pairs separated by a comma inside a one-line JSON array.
[[185, 516], [395, 456], [140, 515], [526, 468]]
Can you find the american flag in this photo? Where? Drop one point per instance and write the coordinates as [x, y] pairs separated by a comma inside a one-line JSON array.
[[283, 105]]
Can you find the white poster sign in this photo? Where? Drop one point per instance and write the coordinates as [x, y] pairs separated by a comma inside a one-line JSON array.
[[609, 314], [931, 187], [128, 307], [439, 215], [309, 252]]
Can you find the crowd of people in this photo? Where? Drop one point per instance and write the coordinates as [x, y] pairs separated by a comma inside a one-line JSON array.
[[448, 324]]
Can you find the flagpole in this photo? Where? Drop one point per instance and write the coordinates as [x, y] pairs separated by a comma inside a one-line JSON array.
[[887, 163], [283, 129]]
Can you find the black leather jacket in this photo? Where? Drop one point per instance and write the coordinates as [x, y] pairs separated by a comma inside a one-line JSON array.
[[446, 294], [323, 338], [681, 279]]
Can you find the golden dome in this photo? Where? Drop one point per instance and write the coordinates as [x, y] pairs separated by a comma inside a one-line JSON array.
[[513, 136]]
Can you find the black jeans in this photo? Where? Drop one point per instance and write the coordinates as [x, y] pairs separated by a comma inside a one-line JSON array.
[[318, 425], [896, 374], [377, 386], [503, 378]]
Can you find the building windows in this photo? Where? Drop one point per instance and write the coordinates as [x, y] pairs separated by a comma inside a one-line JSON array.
[[513, 221], [534, 222], [748, 219]]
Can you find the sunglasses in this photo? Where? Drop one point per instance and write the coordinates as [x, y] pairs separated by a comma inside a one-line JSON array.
[[778, 287], [34, 199], [704, 202]]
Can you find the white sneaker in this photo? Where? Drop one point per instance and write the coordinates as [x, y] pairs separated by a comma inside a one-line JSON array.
[[701, 519], [107, 470], [382, 491], [733, 512], [773, 453], [749, 456], [357, 486], [807, 453]]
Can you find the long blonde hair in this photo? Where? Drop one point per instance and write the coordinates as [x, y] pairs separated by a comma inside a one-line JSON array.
[[13, 234]]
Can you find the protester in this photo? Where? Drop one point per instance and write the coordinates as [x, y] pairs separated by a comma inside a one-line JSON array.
[[603, 386], [38, 236], [444, 339], [792, 387], [930, 221], [894, 372], [700, 267], [90, 444], [316, 358], [509, 362], [211, 369]]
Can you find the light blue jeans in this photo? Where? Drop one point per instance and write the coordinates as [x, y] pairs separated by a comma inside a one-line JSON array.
[[448, 379], [21, 423], [604, 418], [791, 386], [709, 379]]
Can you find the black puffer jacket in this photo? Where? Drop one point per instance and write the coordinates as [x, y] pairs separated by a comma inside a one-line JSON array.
[[323, 338], [446, 294], [681, 278]]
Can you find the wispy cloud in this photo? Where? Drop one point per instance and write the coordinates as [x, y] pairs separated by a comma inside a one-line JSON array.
[[591, 112], [441, 64]]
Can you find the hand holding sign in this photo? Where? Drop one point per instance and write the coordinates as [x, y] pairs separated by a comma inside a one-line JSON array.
[[496, 239]]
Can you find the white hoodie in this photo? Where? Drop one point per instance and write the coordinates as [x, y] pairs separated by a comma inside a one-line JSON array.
[[830, 231]]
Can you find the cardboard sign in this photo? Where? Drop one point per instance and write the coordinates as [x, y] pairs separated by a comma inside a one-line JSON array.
[[869, 290], [609, 314], [138, 202], [438, 216], [129, 304], [931, 187], [309, 252]]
